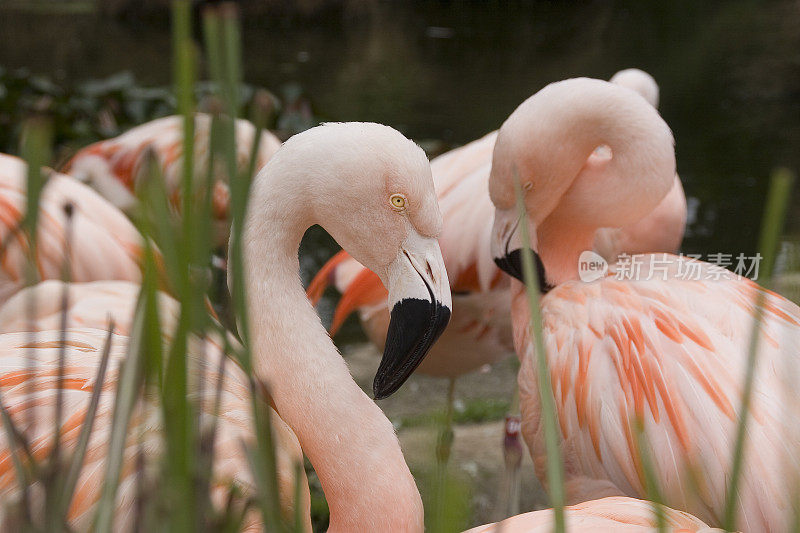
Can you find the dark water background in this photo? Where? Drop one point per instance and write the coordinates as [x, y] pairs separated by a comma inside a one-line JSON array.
[[729, 74]]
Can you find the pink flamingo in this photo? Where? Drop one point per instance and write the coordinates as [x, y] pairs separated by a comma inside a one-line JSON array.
[[609, 515], [670, 350], [105, 244], [113, 166], [371, 188]]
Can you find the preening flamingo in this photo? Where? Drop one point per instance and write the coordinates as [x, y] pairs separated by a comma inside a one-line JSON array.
[[113, 166], [480, 331], [105, 245], [669, 347], [371, 189], [607, 515]]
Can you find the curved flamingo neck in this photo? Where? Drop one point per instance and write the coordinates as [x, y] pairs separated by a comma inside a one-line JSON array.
[[347, 438], [551, 141]]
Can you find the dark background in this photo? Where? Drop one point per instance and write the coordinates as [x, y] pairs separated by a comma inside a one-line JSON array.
[[729, 72]]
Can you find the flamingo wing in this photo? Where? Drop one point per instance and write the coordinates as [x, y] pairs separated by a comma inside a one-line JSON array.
[[92, 304], [112, 166], [672, 354], [104, 243], [31, 365]]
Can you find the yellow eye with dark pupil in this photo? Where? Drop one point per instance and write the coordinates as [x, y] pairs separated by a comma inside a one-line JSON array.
[[398, 201]]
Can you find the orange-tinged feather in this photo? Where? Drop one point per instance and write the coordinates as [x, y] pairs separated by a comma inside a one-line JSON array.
[[667, 329], [697, 335], [365, 289], [713, 389], [324, 277], [467, 280]]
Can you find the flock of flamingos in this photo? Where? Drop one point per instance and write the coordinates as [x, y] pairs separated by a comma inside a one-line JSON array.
[[595, 163]]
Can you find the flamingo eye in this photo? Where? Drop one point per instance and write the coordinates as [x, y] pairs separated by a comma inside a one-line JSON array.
[[398, 201]]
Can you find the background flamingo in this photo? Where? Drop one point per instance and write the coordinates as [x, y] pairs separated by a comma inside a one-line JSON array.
[[609, 515], [104, 243], [349, 441], [670, 350], [30, 366], [113, 166]]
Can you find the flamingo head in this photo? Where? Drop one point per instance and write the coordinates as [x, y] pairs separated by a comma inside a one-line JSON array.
[[383, 211]]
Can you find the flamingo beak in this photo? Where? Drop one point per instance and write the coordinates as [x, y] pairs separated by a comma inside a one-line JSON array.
[[507, 246], [419, 299]]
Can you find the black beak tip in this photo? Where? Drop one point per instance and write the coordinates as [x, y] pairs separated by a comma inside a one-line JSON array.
[[380, 391], [414, 326], [511, 263]]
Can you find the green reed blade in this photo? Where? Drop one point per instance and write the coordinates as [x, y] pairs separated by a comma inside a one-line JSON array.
[[36, 150], [299, 511], [222, 39], [262, 106], [178, 481], [184, 78], [774, 216], [266, 465], [54, 495], [14, 440], [79, 455], [156, 220], [555, 465], [128, 385], [652, 489]]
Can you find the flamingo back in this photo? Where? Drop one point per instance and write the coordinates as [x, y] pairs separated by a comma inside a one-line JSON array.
[[104, 243], [672, 353], [114, 166], [611, 515]]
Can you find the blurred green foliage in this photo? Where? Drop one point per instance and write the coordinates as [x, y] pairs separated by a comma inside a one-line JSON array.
[[85, 112], [472, 411]]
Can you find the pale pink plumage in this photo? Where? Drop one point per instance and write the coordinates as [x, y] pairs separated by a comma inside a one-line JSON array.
[[669, 348], [664, 351], [606, 515], [662, 229], [105, 245], [91, 306], [480, 328], [114, 166]]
